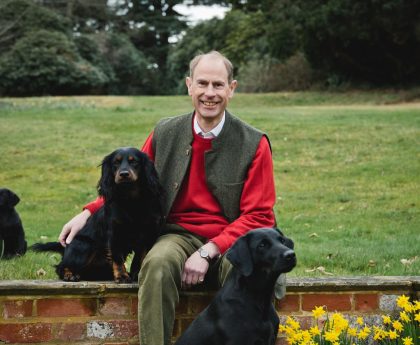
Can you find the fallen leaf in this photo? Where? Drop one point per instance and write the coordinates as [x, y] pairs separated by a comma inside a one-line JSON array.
[[41, 272], [407, 262], [372, 263], [314, 234]]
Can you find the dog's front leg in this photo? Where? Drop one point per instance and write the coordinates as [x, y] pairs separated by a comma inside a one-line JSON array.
[[136, 264], [118, 268]]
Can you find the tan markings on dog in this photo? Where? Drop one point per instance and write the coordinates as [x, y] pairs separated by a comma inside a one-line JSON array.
[[120, 272], [68, 275]]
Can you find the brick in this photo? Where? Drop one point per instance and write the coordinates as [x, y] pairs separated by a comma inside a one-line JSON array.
[[366, 302], [115, 343], [17, 309], [114, 306], [71, 331], [134, 306], [66, 307], [125, 328], [26, 332], [282, 341], [332, 302], [288, 304]]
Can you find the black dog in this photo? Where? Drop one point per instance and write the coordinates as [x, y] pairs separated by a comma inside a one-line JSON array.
[[12, 235], [129, 221], [242, 312]]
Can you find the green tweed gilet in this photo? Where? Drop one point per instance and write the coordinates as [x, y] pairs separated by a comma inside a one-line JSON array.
[[226, 165]]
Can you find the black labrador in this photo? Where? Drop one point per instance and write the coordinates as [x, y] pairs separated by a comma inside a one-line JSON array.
[[12, 235], [242, 312], [129, 221]]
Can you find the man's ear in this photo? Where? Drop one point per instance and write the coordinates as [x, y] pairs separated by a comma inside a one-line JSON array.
[[240, 256], [232, 86], [188, 82]]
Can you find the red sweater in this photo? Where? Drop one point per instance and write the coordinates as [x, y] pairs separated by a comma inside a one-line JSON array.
[[197, 210]]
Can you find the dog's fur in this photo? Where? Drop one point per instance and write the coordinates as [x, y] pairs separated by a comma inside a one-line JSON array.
[[242, 312], [12, 234], [129, 221]]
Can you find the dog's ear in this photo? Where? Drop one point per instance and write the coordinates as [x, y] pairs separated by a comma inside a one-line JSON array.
[[107, 177], [151, 178], [8, 198], [240, 256]]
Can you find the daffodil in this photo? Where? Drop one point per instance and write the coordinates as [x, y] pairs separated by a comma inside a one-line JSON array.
[[392, 335], [397, 326], [404, 317], [318, 312], [314, 331], [293, 323], [386, 319], [403, 301], [417, 317], [407, 341], [360, 321], [352, 331], [331, 336], [364, 333]]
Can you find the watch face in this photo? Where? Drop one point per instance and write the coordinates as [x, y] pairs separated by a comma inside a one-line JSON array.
[[204, 253]]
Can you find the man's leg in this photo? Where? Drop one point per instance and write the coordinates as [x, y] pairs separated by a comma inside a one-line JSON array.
[[159, 284]]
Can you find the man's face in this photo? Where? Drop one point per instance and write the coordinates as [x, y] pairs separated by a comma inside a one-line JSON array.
[[210, 89]]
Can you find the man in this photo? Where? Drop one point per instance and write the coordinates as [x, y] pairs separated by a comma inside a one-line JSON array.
[[218, 175]]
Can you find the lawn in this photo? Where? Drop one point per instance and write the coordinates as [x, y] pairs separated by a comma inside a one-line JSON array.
[[347, 169]]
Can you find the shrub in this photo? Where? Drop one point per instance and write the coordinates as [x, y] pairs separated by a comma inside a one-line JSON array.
[[47, 63], [270, 75]]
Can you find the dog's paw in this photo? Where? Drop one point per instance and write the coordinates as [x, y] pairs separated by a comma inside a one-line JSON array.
[[70, 277], [123, 279]]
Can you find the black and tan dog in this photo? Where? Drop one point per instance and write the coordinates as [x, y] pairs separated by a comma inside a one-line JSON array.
[[12, 235], [129, 221], [242, 312]]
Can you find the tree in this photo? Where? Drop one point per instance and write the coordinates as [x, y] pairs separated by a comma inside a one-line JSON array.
[[18, 17], [375, 41], [47, 63]]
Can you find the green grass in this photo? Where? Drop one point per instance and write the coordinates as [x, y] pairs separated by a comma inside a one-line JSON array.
[[346, 164]]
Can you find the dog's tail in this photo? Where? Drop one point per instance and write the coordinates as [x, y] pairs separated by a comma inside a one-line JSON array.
[[48, 247]]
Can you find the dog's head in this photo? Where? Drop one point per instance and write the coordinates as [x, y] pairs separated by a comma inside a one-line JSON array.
[[264, 250], [8, 199], [128, 171]]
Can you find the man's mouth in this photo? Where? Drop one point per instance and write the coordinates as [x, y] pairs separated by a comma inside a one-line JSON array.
[[209, 104]]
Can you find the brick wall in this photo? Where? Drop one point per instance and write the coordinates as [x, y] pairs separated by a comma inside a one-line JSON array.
[[52, 312]]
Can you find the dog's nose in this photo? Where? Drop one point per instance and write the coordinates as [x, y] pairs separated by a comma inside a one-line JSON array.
[[289, 254], [124, 173]]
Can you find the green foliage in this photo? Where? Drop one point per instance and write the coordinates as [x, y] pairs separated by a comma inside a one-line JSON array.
[[363, 40], [19, 17], [45, 62]]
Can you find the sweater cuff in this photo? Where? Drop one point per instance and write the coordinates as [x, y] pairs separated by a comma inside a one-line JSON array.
[[94, 205]]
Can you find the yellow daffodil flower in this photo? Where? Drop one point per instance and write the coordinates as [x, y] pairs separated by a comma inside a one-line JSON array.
[[403, 301], [404, 317], [331, 336], [318, 312], [397, 326], [360, 321], [392, 335], [407, 341], [386, 319]]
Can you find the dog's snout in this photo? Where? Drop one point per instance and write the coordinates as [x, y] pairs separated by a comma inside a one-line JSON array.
[[289, 254], [124, 173]]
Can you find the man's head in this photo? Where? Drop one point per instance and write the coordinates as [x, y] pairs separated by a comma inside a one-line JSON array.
[[210, 86]]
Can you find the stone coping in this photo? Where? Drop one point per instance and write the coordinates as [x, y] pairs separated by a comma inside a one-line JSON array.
[[301, 284]]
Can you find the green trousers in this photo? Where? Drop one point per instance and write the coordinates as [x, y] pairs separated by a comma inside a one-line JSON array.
[[160, 282]]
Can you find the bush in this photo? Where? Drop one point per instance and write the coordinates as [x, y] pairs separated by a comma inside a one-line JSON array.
[[47, 63], [271, 75]]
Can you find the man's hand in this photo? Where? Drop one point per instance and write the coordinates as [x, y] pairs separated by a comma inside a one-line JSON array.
[[196, 267], [73, 227]]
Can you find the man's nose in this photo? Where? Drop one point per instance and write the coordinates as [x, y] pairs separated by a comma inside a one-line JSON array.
[[210, 91]]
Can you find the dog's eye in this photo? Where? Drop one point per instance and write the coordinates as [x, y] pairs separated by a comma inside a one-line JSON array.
[[282, 240], [263, 244]]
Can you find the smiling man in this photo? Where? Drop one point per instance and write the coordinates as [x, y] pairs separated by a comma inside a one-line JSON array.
[[218, 175]]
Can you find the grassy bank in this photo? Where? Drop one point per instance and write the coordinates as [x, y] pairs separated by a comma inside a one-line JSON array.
[[346, 165]]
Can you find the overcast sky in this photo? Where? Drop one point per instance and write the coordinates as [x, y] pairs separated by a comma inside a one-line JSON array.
[[196, 14]]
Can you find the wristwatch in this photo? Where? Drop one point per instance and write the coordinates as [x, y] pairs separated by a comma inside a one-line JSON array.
[[204, 254]]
